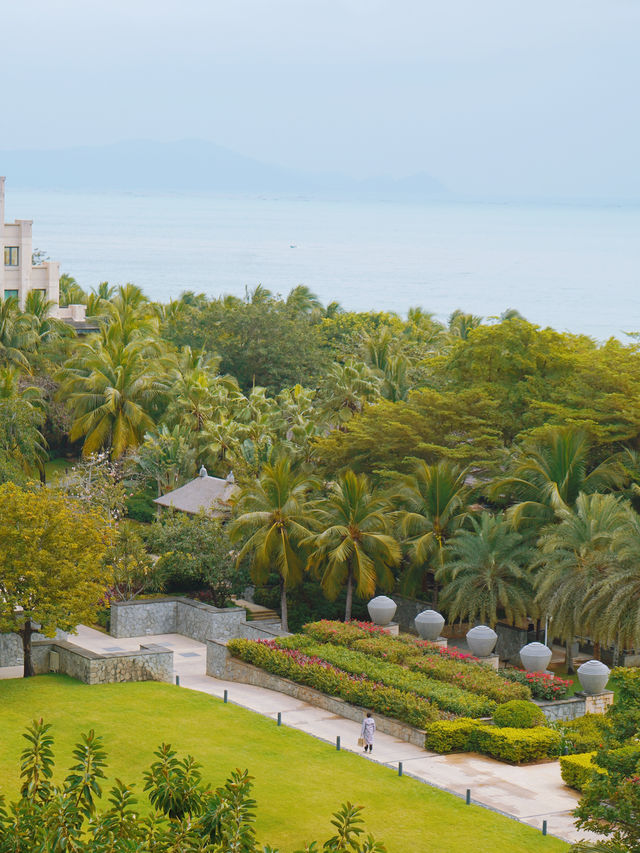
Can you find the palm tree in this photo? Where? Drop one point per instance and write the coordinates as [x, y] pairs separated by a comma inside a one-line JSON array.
[[44, 327], [21, 418], [461, 324], [273, 519], [576, 556], [434, 501], [550, 473], [355, 546], [302, 300], [347, 388], [16, 334], [485, 573], [111, 388], [70, 291]]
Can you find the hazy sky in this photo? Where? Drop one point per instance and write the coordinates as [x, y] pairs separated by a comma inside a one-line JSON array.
[[490, 96]]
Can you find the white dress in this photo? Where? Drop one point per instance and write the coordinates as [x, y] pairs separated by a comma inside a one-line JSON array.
[[368, 728]]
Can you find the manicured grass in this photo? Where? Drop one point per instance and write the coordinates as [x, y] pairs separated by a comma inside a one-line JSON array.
[[55, 469], [299, 781]]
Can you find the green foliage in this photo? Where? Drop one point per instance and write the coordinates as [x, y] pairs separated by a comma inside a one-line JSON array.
[[51, 553], [517, 746], [304, 604], [447, 697], [588, 733], [386, 700], [513, 745], [446, 736], [624, 714], [518, 714], [420, 657], [194, 550], [128, 566], [578, 770], [186, 815]]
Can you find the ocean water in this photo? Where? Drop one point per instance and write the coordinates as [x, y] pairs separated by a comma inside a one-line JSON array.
[[576, 268]]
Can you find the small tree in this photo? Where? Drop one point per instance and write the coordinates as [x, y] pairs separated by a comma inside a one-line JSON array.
[[129, 569], [51, 551], [197, 549]]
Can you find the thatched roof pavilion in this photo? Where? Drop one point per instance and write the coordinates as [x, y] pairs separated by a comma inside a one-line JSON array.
[[209, 494]]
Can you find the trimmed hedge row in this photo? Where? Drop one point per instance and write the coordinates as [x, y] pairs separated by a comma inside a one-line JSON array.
[[587, 733], [578, 770], [447, 697], [303, 669], [422, 657], [515, 746]]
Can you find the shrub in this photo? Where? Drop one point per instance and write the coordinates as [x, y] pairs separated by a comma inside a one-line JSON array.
[[446, 696], [321, 675], [518, 715], [451, 735], [577, 770], [587, 733], [541, 684], [517, 746], [427, 658]]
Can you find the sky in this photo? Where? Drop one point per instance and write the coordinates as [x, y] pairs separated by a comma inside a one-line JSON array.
[[493, 98]]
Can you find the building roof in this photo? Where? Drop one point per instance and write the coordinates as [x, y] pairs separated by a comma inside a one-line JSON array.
[[205, 493]]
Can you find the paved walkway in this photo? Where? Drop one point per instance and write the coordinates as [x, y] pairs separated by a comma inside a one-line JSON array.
[[528, 794]]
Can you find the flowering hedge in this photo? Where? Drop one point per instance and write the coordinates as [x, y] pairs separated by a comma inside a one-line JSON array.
[[322, 675], [447, 697], [516, 746], [542, 684], [456, 669]]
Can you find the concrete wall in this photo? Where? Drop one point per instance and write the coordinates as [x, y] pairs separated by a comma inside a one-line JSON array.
[[175, 616], [150, 663], [510, 641], [220, 664]]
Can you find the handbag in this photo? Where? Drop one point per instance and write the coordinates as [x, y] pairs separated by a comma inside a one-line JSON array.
[[360, 741]]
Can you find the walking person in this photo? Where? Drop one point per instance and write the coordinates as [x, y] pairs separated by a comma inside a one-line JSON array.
[[368, 729]]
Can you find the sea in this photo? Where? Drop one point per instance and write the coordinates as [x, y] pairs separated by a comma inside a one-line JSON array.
[[572, 267]]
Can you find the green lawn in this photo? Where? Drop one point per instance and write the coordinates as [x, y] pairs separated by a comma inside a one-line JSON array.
[[56, 469], [299, 781]]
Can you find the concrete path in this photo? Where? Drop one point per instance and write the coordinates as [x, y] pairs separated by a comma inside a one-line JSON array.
[[528, 794]]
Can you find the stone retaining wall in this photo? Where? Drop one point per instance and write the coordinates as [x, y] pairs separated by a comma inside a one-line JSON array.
[[220, 664], [151, 663], [575, 706], [184, 616], [11, 653]]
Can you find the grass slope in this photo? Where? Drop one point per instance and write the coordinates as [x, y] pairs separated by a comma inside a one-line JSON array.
[[299, 781]]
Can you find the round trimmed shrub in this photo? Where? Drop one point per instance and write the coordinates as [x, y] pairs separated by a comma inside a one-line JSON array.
[[518, 714]]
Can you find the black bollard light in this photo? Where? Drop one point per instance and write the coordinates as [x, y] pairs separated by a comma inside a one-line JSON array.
[[225, 696], [399, 768], [338, 743], [178, 680], [468, 796], [279, 718]]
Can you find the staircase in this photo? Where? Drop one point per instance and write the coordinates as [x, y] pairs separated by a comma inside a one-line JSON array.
[[257, 611]]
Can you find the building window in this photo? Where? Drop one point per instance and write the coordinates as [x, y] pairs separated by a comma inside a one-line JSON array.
[[11, 256], [9, 293]]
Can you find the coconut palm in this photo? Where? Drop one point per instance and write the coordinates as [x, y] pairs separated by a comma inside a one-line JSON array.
[[354, 546], [302, 300], [70, 291], [16, 334], [485, 574], [111, 388], [273, 518], [21, 418], [347, 388], [434, 502], [461, 324], [44, 327], [576, 556], [549, 474]]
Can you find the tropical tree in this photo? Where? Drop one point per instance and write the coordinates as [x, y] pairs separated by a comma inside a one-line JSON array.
[[274, 519], [51, 550], [111, 388], [70, 291], [576, 556], [485, 573], [22, 445], [461, 324], [434, 501], [355, 546], [547, 475], [166, 457], [347, 388], [16, 334]]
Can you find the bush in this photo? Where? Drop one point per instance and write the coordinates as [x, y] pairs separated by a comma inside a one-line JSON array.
[[446, 696], [140, 506], [518, 715], [541, 684], [316, 673], [451, 735], [304, 603], [418, 656], [587, 733], [517, 746], [578, 770]]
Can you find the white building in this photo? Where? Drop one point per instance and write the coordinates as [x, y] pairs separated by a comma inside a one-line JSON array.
[[17, 274]]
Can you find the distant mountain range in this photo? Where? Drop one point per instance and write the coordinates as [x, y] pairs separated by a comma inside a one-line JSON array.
[[192, 165]]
